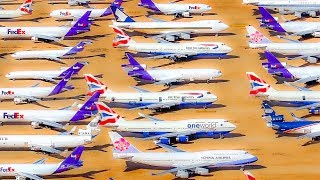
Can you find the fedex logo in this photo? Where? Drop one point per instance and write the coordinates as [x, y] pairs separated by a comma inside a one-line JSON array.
[[194, 7], [17, 31], [8, 169], [67, 13], [15, 115], [7, 93]]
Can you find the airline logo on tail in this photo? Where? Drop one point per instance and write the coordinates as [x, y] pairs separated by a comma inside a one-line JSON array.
[[26, 7], [121, 144], [258, 85], [249, 175], [94, 84], [122, 37], [107, 114], [256, 37]]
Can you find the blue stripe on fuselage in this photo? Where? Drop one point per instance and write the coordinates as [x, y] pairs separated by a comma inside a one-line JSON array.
[[182, 105]]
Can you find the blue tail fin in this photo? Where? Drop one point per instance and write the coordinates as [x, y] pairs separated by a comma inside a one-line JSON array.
[[88, 109], [269, 21], [149, 4], [119, 15], [72, 161], [81, 25], [74, 69], [61, 86], [270, 114], [116, 3], [275, 67]]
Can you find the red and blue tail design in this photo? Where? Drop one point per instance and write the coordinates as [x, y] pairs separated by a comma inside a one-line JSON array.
[[26, 7], [95, 85], [258, 85], [108, 117]]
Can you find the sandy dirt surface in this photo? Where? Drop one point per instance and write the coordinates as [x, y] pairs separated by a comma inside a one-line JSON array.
[[283, 157]]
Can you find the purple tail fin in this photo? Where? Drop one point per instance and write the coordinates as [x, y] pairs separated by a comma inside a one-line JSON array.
[[274, 66], [149, 4], [269, 21], [81, 25], [88, 109], [61, 86], [115, 3], [74, 69], [72, 161], [77, 48], [134, 69]]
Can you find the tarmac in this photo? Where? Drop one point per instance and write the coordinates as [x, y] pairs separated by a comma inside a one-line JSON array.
[[279, 157]]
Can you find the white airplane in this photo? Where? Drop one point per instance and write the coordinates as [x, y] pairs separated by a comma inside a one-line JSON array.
[[24, 9], [144, 99], [24, 95], [173, 51], [47, 143], [297, 7], [179, 10], [181, 131], [53, 55], [48, 33], [77, 13], [307, 51], [51, 118], [40, 168], [303, 99], [49, 76], [182, 163], [168, 76]]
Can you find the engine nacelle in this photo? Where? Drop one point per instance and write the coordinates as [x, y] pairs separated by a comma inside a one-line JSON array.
[[314, 111], [19, 101], [298, 14], [165, 141], [186, 14], [35, 125], [312, 60], [146, 134], [182, 174], [20, 178], [316, 34], [185, 36], [312, 13], [34, 38], [182, 139], [202, 171], [73, 2], [170, 38]]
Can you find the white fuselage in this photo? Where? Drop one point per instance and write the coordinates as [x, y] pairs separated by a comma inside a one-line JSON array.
[[37, 92], [294, 27], [293, 96], [192, 8], [289, 48], [288, 6], [8, 14], [77, 13], [27, 32], [43, 75], [36, 169], [184, 74], [304, 72], [180, 159], [43, 54]]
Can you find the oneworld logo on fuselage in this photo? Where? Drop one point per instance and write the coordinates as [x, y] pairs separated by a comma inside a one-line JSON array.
[[211, 125], [15, 115], [17, 31]]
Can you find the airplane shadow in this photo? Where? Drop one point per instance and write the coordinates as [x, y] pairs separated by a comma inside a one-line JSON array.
[[87, 175], [175, 85], [93, 37], [24, 20], [99, 147], [191, 58], [4, 54], [84, 57], [310, 142]]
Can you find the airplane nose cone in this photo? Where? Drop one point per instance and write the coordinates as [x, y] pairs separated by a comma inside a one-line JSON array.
[[232, 127], [228, 49], [7, 76], [219, 73], [53, 14], [224, 26], [213, 98], [14, 55]]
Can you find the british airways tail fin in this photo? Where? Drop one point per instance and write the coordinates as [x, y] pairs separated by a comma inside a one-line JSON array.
[[122, 39], [26, 7], [119, 15], [269, 21], [74, 69], [256, 37], [61, 86], [77, 48], [121, 145], [258, 85], [274, 66], [81, 25], [270, 115], [72, 161], [108, 117], [248, 175], [95, 85]]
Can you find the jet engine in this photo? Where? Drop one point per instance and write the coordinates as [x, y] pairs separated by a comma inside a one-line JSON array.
[[182, 174], [312, 60], [185, 36], [186, 14], [316, 34], [182, 139], [314, 111], [18, 100], [165, 141], [35, 125], [170, 38], [20, 178], [202, 171], [312, 13]]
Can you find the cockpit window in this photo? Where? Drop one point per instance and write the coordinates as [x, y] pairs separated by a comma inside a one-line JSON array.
[[208, 92]]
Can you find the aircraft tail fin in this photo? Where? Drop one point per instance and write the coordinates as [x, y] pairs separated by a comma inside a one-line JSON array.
[[121, 145], [81, 25], [74, 69], [26, 7], [119, 15], [122, 39], [274, 66], [255, 36], [116, 3], [77, 48], [248, 175], [90, 105], [270, 115], [148, 4], [108, 117], [95, 85], [258, 85], [135, 69], [72, 161], [269, 21], [61, 86]]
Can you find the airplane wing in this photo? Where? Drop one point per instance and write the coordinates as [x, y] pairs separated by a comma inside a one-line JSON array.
[[149, 117], [40, 161], [174, 55], [309, 106], [30, 176], [157, 105], [30, 98], [49, 123], [297, 87], [169, 148], [169, 80], [308, 79], [304, 32], [53, 58], [47, 149], [168, 135], [310, 135], [45, 37], [175, 12], [140, 89], [193, 166]]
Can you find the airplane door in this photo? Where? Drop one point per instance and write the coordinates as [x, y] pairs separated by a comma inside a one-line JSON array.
[[160, 99], [26, 144], [183, 99]]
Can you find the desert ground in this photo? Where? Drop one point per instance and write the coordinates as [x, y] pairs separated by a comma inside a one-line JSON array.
[[283, 157]]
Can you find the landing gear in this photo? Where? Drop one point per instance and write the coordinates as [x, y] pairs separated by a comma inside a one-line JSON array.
[[221, 136], [208, 81]]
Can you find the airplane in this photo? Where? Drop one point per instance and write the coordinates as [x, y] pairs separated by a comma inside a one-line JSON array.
[[23, 95], [299, 8], [165, 132], [168, 77], [40, 168], [302, 99], [248, 175], [24, 9], [295, 28], [49, 76], [181, 163], [178, 10], [304, 128], [144, 99], [173, 51], [310, 52], [52, 144], [51, 118], [52, 55], [77, 13], [307, 74], [48, 33]]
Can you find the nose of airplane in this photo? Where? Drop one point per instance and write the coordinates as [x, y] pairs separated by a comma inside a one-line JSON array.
[[7, 75], [53, 13], [228, 49], [232, 126], [14, 55], [224, 26], [213, 97], [218, 73]]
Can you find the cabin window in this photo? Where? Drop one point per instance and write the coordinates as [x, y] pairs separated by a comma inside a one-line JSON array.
[[304, 98], [160, 99], [112, 99], [183, 99], [140, 99]]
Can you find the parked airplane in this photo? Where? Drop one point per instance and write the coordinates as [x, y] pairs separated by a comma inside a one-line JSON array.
[[297, 7], [307, 51], [173, 51], [50, 76], [24, 9], [24, 95], [248, 175], [40, 168], [53, 55], [295, 28], [51, 118], [182, 163], [48, 33], [302, 127], [178, 10], [307, 74], [53, 144], [167, 77], [165, 132], [144, 99], [304, 98], [77, 13]]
